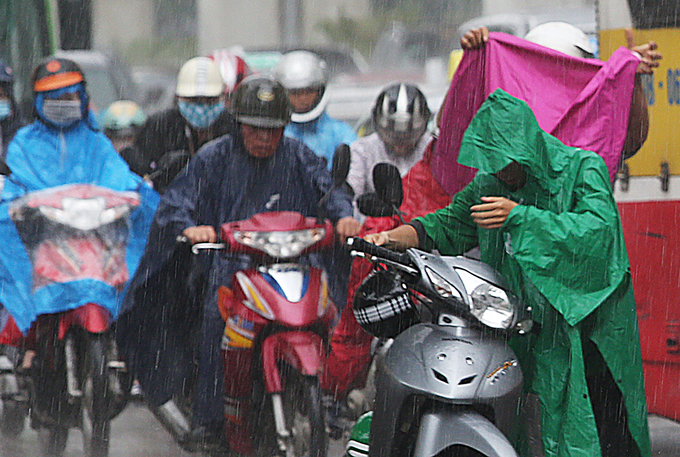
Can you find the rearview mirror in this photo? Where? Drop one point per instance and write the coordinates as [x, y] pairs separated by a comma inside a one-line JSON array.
[[341, 161], [370, 205], [387, 183]]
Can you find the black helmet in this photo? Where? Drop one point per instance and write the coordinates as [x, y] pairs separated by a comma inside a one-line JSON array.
[[56, 73], [401, 114], [261, 102], [383, 306]]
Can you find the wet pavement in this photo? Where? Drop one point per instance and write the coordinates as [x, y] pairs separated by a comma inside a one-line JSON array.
[[136, 433]]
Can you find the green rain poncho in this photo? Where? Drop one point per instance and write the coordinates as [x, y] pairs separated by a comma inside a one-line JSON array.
[[562, 251]]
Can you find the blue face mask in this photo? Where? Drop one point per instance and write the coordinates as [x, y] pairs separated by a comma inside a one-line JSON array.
[[200, 115], [62, 114], [5, 109]]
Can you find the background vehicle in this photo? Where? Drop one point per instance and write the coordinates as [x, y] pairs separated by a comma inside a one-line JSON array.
[[155, 87], [648, 195], [340, 61], [520, 23], [108, 79]]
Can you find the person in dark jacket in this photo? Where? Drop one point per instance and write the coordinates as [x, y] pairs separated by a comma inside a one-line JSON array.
[[167, 140], [10, 119], [230, 179]]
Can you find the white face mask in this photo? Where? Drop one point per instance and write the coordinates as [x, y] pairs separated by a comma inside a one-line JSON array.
[[62, 113]]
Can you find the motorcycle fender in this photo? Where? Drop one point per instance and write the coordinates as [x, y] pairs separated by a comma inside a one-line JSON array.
[[91, 317], [304, 351], [445, 428]]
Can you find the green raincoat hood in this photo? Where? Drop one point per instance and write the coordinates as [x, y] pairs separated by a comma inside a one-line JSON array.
[[488, 147]]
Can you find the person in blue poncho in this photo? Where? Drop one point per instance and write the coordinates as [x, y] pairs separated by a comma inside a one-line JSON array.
[[305, 77], [62, 146], [229, 179]]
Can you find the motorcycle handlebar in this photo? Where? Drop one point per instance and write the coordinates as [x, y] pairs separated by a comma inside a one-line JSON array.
[[361, 245], [196, 248]]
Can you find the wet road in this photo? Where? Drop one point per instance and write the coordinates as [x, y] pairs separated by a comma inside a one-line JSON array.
[[136, 433]]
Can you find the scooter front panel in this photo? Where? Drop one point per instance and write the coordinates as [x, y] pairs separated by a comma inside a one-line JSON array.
[[453, 365], [268, 292]]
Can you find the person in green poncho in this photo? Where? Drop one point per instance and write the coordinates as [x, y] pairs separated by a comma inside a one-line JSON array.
[[543, 214]]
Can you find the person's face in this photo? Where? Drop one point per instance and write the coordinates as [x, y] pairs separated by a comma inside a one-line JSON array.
[[400, 145], [261, 142], [302, 100], [512, 176], [3, 95]]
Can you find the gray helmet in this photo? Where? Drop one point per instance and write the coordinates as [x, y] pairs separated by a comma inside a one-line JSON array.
[[261, 102], [304, 70], [401, 113]]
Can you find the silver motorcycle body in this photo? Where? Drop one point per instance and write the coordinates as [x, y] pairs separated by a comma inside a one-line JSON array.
[[448, 384]]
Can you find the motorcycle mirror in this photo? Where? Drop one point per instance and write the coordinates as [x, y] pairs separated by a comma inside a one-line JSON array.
[[387, 183], [371, 205], [5, 170], [341, 162]]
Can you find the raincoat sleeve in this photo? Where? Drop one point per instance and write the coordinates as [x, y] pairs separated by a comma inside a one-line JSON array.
[[576, 253], [178, 207], [451, 230]]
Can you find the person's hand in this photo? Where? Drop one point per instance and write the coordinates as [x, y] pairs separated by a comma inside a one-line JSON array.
[[650, 57], [493, 212], [201, 234], [347, 227], [475, 38], [379, 239]]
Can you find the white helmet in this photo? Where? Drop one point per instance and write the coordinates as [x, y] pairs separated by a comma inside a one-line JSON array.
[[304, 70], [199, 77], [562, 37]]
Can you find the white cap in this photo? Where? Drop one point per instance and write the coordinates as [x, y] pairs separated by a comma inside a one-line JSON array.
[[562, 37], [199, 77]]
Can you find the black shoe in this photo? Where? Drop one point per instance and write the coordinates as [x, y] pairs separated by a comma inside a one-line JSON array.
[[210, 439]]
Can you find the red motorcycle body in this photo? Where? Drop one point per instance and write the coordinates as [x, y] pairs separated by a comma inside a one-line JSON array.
[[279, 311]]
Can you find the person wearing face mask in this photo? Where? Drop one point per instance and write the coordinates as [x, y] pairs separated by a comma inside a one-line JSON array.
[[400, 115], [167, 140], [10, 119], [62, 146]]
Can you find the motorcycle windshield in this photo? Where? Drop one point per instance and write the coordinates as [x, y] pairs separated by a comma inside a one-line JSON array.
[[76, 244], [75, 232]]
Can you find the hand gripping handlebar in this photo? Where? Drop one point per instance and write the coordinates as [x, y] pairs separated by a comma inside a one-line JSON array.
[[361, 245]]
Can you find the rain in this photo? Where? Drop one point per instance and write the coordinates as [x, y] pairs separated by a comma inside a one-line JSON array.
[[339, 228]]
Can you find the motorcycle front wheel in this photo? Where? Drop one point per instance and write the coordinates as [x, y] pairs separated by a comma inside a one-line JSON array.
[[96, 409], [304, 418], [13, 418]]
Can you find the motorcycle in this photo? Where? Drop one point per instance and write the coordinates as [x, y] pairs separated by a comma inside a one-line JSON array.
[[278, 318], [447, 383], [77, 379]]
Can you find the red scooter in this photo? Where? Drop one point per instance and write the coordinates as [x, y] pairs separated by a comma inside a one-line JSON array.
[[75, 232], [278, 318]]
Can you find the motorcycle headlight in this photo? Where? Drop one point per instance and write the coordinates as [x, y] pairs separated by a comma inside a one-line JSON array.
[[488, 303], [281, 245], [444, 288], [84, 214]]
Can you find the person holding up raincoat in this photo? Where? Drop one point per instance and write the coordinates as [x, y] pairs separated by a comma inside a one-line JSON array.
[[543, 214]]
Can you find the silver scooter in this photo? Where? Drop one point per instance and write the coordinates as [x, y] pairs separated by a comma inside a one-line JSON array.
[[449, 384]]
